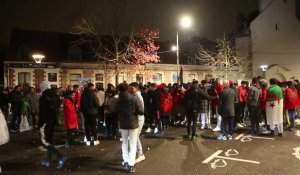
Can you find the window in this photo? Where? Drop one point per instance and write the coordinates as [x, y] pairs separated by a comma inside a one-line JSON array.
[[99, 77], [139, 78], [157, 78], [175, 78], [121, 78], [24, 79], [74, 78], [52, 77]]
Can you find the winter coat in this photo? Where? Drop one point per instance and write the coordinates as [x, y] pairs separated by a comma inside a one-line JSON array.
[[47, 116], [154, 100], [70, 114], [191, 100], [263, 99], [33, 101], [166, 102], [110, 105], [217, 90], [204, 99], [128, 108], [16, 99], [291, 99], [177, 98], [254, 95], [227, 99], [89, 102]]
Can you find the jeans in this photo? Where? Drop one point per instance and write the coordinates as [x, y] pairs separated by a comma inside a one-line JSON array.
[[90, 127], [16, 120], [129, 146], [111, 123], [292, 114], [50, 151], [253, 112], [139, 144], [227, 126], [192, 117], [240, 112], [70, 135], [81, 120]]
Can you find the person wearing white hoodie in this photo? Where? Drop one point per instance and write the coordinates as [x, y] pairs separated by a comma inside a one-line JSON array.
[[135, 91]]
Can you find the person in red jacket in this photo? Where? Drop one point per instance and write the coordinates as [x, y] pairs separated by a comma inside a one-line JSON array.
[[263, 102], [178, 108], [218, 87], [291, 102], [77, 99], [166, 105], [242, 89], [71, 121]]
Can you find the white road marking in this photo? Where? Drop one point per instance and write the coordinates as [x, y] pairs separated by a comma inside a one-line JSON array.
[[239, 136], [212, 156]]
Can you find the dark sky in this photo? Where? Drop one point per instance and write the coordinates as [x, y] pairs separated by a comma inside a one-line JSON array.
[[211, 18]]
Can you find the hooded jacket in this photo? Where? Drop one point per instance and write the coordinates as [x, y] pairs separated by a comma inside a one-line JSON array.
[[128, 109], [89, 102]]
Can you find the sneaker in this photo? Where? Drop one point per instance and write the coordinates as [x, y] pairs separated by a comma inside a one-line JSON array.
[[61, 162], [221, 137], [202, 127], [239, 125], [208, 127], [140, 158], [217, 129], [155, 130], [131, 169], [96, 142], [159, 134], [88, 143], [229, 137], [243, 124], [46, 163], [262, 124], [148, 130], [125, 166]]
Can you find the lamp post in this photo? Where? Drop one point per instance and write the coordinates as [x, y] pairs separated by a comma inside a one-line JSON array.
[[185, 22], [264, 69], [38, 58]]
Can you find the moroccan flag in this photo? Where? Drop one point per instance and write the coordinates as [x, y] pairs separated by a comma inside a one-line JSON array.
[[274, 106], [291, 99]]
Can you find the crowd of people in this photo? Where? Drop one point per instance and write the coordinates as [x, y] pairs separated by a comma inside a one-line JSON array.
[[128, 109]]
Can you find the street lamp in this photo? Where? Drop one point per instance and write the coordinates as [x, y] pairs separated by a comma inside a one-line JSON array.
[[264, 69], [185, 22], [38, 58]]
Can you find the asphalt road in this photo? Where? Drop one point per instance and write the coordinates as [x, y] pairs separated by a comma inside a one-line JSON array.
[[171, 154]]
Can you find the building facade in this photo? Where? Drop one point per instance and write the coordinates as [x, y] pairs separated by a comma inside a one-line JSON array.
[[274, 40]]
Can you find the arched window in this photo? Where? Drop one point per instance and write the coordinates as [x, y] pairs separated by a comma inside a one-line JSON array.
[[74, 53]]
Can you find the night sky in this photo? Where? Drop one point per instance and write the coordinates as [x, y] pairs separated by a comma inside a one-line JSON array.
[[211, 18]]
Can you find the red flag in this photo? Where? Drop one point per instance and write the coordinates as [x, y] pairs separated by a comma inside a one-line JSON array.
[[181, 75]]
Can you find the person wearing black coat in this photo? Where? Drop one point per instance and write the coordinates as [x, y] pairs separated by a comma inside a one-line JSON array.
[[89, 106], [191, 103], [154, 103], [128, 108], [47, 121], [16, 99]]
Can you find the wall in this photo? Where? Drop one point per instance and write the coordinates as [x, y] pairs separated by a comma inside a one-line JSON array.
[[276, 46]]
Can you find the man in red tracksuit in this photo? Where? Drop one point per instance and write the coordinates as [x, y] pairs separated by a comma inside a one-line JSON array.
[[291, 102]]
